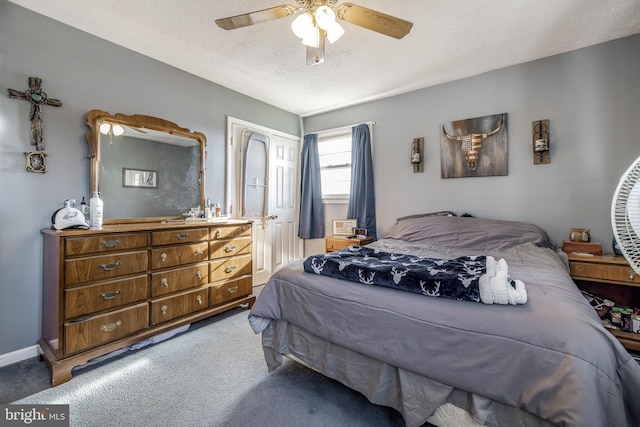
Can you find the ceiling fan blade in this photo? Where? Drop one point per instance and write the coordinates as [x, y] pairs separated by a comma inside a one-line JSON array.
[[374, 20], [256, 17]]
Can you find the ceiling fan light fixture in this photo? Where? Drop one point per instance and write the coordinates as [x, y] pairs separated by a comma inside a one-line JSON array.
[[334, 32], [111, 129], [302, 25], [117, 130], [312, 38], [325, 16]]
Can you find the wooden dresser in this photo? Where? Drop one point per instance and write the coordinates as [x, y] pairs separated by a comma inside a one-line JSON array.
[[609, 276], [107, 289]]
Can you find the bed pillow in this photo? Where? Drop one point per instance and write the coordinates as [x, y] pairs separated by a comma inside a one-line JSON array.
[[439, 213], [468, 232]]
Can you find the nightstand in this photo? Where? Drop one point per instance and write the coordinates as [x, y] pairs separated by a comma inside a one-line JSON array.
[[335, 243], [609, 276]]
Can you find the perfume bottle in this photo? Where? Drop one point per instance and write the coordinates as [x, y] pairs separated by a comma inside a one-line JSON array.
[[84, 208]]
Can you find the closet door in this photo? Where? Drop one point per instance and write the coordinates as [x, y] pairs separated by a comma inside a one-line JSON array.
[[275, 227]]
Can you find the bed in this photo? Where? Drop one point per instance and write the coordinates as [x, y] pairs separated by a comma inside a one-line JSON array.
[[545, 361]]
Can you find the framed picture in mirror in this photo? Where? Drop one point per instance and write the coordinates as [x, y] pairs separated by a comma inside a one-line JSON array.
[[139, 178]]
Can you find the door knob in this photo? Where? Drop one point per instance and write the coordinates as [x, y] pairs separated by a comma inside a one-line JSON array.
[[272, 217]]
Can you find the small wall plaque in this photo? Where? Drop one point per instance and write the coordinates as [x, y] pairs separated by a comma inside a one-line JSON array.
[[36, 161]]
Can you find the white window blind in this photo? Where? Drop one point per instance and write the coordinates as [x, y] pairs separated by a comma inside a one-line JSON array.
[[334, 151]]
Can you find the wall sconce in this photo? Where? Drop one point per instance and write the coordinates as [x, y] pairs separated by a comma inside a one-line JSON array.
[[417, 155], [540, 130]]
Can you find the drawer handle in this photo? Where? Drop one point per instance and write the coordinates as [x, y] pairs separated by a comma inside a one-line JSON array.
[[110, 295], [632, 275], [245, 227], [164, 282], [231, 248], [110, 267], [111, 326], [110, 243], [198, 251], [230, 268], [163, 257], [232, 290], [164, 310], [199, 299], [182, 236], [218, 233], [199, 275]]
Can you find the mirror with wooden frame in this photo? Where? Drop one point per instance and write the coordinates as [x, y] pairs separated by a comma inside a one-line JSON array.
[[145, 168]]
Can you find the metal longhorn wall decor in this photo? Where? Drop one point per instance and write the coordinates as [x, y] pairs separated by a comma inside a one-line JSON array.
[[37, 97], [474, 147]]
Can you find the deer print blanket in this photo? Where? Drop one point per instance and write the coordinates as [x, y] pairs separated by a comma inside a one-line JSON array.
[[469, 278]]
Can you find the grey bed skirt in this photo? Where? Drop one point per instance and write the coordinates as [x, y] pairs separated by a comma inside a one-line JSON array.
[[416, 397]]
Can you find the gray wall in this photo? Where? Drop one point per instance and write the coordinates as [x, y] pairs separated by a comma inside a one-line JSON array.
[[591, 97], [85, 73]]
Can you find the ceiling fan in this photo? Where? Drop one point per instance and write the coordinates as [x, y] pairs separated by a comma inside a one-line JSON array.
[[316, 21]]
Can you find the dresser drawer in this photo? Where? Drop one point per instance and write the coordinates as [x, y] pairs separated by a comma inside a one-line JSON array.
[[88, 269], [179, 279], [108, 243], [104, 296], [225, 248], [159, 238], [174, 306], [230, 268], [179, 255], [103, 328], [230, 231], [606, 272], [227, 291]]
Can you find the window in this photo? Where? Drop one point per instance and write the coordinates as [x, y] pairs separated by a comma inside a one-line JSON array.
[[334, 151]]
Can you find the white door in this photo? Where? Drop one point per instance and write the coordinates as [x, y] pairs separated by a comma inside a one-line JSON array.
[[275, 234], [284, 201]]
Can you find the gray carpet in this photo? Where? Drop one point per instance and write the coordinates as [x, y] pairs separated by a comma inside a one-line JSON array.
[[214, 375]]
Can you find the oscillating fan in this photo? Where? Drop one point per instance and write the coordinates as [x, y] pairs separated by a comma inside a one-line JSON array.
[[625, 215]]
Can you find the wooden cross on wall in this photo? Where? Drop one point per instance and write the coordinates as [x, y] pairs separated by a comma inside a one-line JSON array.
[[37, 97]]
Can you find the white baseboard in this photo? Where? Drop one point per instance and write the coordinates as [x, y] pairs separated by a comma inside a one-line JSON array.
[[19, 355]]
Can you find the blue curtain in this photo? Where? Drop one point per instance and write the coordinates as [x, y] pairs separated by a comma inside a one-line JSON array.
[[311, 207], [362, 201]]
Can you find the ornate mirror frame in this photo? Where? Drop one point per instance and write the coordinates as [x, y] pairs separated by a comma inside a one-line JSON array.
[[97, 117]]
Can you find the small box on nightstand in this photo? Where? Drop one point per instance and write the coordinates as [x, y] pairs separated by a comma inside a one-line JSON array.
[[582, 247], [335, 243]]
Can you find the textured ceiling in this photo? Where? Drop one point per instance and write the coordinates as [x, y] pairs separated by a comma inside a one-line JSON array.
[[450, 39]]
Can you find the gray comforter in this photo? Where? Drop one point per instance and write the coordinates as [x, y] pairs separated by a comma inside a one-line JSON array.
[[550, 357]]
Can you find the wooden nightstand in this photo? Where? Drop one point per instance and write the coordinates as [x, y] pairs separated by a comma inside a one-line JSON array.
[[609, 276], [335, 243]]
